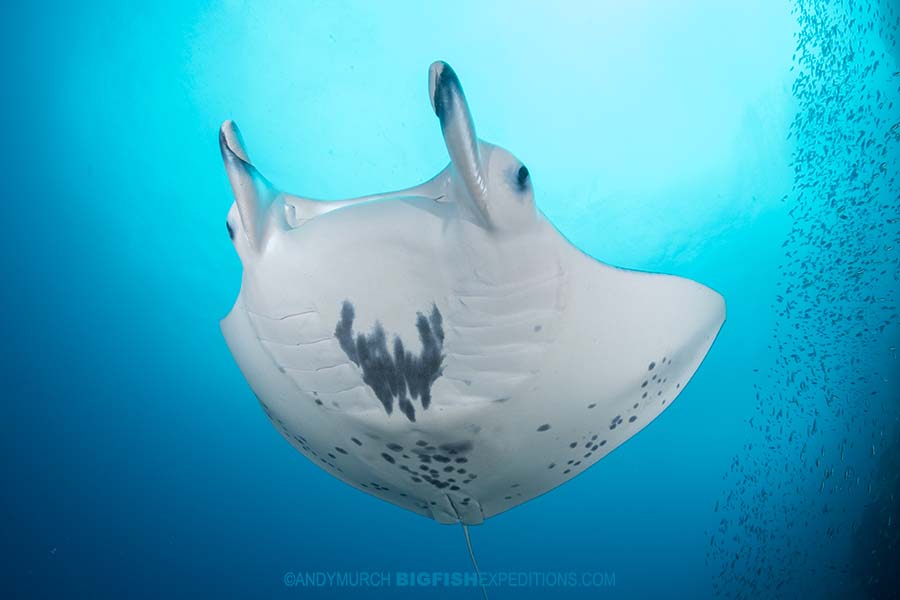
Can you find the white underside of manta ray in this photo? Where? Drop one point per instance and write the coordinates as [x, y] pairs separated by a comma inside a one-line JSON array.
[[444, 347]]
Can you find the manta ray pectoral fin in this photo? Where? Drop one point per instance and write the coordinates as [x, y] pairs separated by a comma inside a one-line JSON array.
[[253, 194], [450, 106]]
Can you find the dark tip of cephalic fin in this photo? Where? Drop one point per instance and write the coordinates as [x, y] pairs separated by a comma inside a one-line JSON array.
[[231, 142], [443, 84]]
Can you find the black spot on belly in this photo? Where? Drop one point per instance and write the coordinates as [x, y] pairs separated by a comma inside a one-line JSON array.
[[388, 457], [457, 447], [356, 441], [400, 374], [543, 427]]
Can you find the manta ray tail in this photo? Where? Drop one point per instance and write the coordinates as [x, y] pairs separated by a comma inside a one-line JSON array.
[[253, 194], [474, 562]]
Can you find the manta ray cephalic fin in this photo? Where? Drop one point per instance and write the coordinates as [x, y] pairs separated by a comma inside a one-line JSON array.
[[253, 193]]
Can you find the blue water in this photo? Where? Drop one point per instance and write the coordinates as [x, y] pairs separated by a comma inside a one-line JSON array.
[[752, 148]]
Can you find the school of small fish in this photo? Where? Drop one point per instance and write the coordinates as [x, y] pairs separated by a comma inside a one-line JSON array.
[[810, 503]]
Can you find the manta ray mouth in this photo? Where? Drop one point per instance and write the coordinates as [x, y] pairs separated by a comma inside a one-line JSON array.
[[299, 211], [410, 197]]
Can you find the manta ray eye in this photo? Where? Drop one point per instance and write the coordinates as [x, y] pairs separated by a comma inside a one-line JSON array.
[[522, 177], [230, 230]]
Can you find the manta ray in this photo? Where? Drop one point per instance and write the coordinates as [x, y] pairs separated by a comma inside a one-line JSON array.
[[444, 347]]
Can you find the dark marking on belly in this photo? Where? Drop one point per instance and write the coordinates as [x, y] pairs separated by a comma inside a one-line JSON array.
[[457, 447], [399, 375]]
